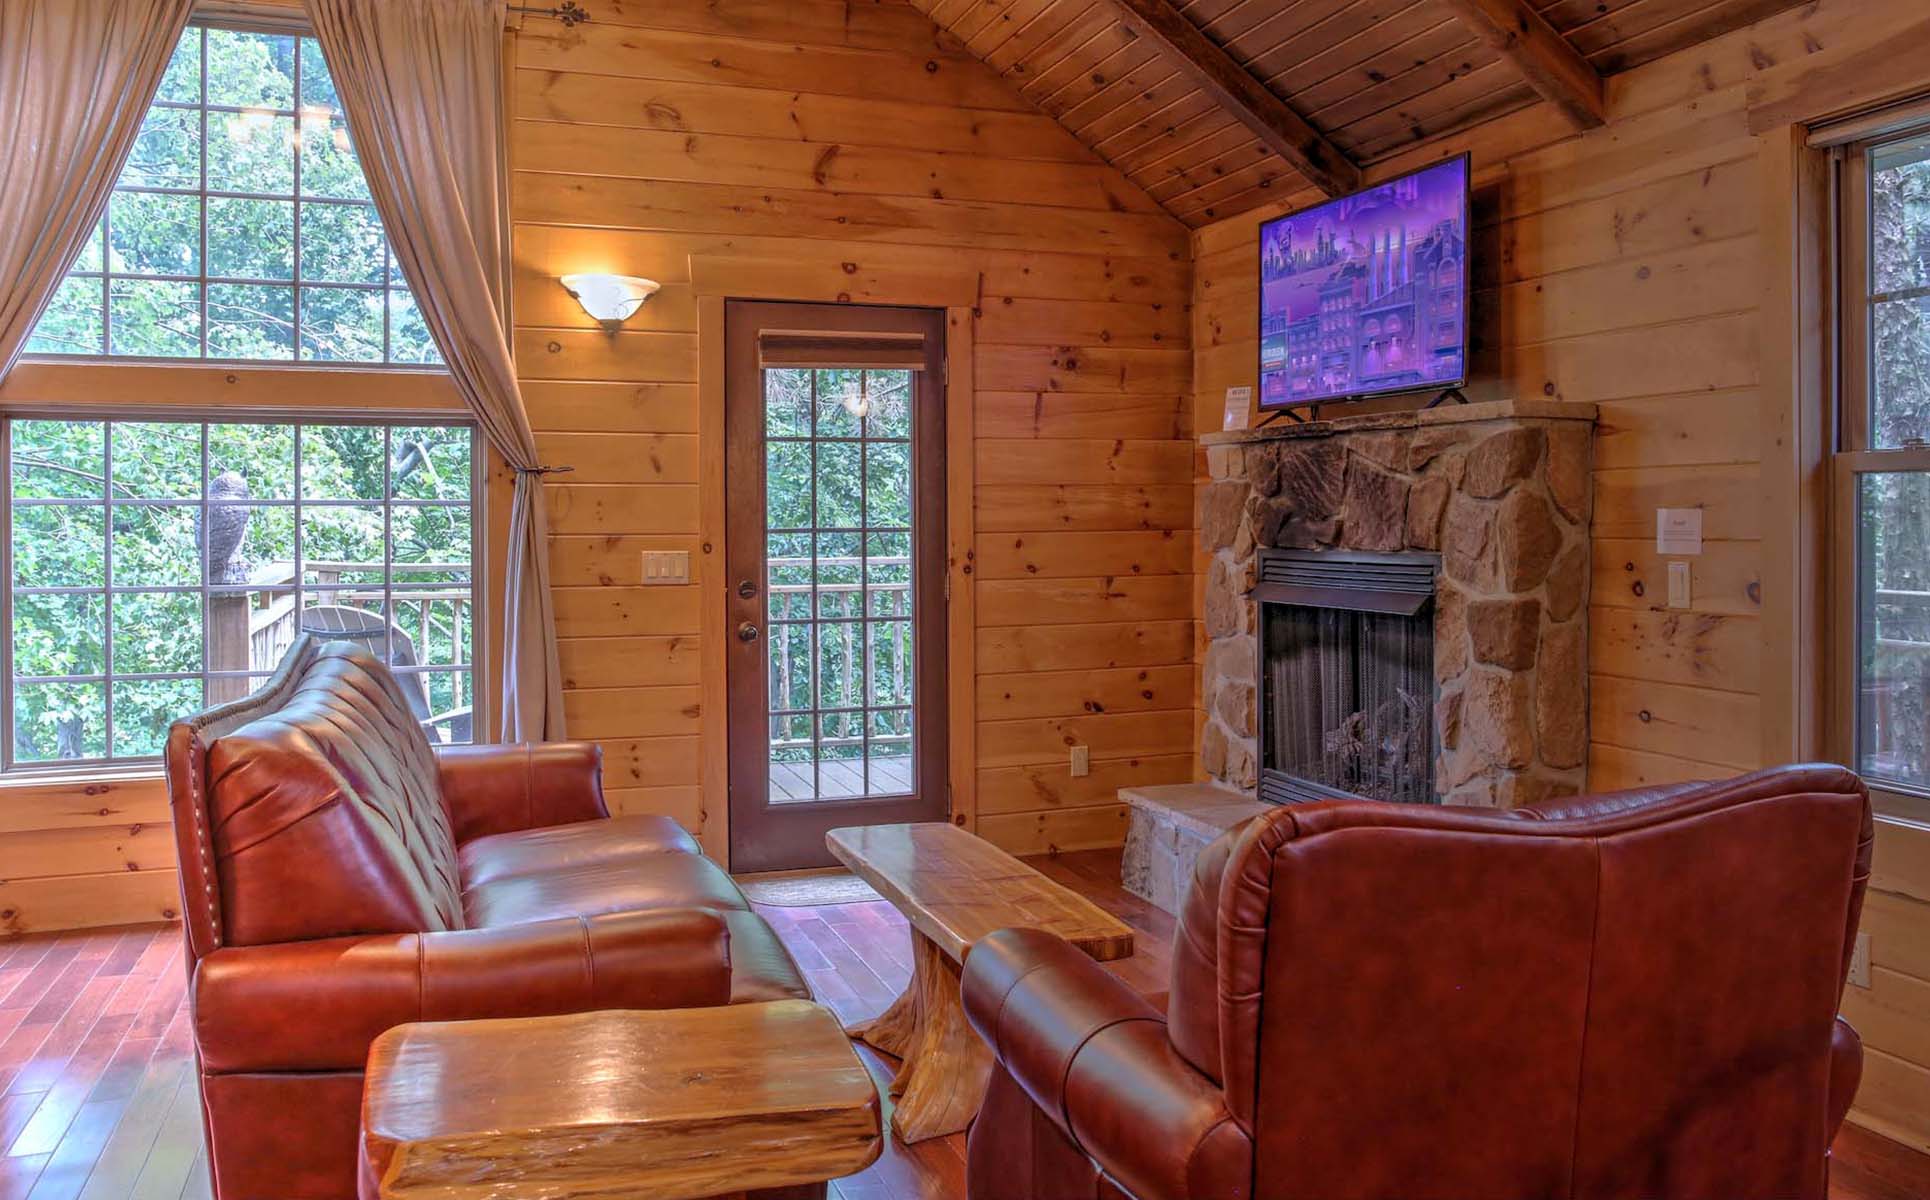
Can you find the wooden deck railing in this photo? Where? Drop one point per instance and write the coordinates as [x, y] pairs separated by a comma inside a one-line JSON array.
[[846, 636], [251, 631]]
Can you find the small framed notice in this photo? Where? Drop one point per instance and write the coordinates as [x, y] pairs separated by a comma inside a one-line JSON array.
[[1238, 401], [1678, 531]]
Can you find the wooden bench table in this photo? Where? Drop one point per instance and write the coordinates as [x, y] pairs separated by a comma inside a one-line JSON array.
[[954, 888], [665, 1105]]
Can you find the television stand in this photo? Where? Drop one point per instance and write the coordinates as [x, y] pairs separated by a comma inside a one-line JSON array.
[[1307, 412], [1293, 414]]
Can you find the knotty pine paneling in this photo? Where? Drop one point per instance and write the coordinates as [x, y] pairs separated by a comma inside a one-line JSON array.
[[1624, 268], [811, 133], [85, 852]]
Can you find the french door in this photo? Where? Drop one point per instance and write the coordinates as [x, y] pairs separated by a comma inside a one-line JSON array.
[[835, 545]]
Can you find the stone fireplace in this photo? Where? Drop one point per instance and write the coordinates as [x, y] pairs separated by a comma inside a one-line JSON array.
[[1396, 605], [1294, 516]]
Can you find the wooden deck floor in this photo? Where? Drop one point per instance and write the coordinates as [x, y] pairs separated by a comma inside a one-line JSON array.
[[791, 782], [97, 1095]]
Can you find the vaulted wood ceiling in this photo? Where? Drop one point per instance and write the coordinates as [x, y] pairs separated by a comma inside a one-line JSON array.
[[1356, 80]]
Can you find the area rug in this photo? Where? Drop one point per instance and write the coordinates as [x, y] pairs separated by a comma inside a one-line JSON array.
[[805, 889]]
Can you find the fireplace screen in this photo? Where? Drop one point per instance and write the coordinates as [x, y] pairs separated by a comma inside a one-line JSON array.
[[1347, 677]]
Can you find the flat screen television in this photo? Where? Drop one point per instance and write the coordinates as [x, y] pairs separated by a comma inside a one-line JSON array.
[[1367, 295]]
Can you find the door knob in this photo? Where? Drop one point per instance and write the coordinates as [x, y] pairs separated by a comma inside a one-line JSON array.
[[747, 589], [747, 632]]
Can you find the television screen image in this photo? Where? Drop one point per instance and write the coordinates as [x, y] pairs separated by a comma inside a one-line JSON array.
[[1367, 295]]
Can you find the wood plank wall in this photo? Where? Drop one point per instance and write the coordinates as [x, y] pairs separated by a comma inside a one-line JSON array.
[[854, 139], [1622, 268], [1619, 268], [823, 138]]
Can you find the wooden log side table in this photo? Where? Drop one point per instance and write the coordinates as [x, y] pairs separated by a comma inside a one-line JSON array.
[[767, 1099], [954, 888]]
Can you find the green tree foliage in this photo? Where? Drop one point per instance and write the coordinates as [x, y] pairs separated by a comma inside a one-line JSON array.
[[1895, 517], [105, 514], [296, 264], [838, 504], [240, 228]]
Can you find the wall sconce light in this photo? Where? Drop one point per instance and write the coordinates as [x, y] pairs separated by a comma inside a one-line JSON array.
[[611, 299]]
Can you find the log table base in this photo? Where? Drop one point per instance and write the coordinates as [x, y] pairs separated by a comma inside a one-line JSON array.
[[943, 1064], [954, 888]]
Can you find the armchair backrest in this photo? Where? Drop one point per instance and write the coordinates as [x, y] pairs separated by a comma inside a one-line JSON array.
[[1617, 996], [310, 809]]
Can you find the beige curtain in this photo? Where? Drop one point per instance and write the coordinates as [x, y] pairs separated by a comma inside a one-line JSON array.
[[76, 77], [422, 86]]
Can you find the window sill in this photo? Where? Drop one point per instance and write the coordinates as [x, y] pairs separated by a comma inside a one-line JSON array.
[[1898, 808], [53, 779]]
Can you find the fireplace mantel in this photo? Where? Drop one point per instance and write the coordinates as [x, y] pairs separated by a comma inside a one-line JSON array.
[[1285, 428], [1502, 491]]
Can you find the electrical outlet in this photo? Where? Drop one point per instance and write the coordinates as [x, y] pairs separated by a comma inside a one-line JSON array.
[[1081, 761], [662, 567], [1860, 962], [1678, 585]]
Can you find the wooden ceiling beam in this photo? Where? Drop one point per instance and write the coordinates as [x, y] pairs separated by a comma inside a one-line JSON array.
[[1217, 73], [1553, 67]]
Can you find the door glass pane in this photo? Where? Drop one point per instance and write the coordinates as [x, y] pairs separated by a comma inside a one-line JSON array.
[[1893, 628], [840, 536]]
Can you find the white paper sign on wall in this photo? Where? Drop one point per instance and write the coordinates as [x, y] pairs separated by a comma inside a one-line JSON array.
[[1238, 401], [1678, 531]]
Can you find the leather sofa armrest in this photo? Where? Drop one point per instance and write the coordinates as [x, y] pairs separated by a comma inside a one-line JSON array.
[[1095, 1058], [1845, 1073], [530, 785], [316, 1006]]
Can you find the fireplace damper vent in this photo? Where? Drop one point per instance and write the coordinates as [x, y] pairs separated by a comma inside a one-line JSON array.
[[1346, 666], [1401, 584]]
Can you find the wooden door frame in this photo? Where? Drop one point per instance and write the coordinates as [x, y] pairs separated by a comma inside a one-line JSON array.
[[793, 836], [718, 278]]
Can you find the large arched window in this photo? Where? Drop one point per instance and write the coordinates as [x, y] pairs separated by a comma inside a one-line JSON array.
[[161, 552], [241, 228]]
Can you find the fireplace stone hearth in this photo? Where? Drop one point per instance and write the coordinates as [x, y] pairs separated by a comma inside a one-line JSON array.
[[1168, 825], [1502, 493]]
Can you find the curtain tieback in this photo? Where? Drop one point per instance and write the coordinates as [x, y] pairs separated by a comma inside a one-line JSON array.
[[542, 470]]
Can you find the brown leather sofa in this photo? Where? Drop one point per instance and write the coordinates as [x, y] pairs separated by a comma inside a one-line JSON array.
[[340, 876], [1628, 995]]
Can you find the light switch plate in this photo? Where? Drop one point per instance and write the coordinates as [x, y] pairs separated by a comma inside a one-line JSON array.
[[1860, 962], [661, 567], [1081, 761], [1678, 585]]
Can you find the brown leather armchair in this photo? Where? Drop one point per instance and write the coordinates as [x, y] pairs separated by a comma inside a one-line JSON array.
[[340, 876], [1628, 995]]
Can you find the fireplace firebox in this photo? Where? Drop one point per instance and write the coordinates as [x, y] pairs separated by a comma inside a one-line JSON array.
[[1346, 671]]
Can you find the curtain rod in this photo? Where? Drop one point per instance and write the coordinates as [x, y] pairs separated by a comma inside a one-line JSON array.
[[288, 15], [570, 12]]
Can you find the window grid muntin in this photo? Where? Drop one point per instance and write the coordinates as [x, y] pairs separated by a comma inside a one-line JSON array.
[[391, 285], [816, 622], [298, 588]]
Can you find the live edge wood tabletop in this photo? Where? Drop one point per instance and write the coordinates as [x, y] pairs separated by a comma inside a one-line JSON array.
[[954, 888], [619, 1105]]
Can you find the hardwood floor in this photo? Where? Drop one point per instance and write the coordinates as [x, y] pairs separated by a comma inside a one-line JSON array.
[[97, 1095], [99, 1100]]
